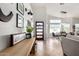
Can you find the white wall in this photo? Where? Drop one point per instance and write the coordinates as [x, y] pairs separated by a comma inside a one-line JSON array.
[[7, 28]]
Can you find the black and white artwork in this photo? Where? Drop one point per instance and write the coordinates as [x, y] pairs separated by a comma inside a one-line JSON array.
[[20, 8], [20, 21]]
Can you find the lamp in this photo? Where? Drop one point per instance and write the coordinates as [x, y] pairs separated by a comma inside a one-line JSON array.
[[30, 13]]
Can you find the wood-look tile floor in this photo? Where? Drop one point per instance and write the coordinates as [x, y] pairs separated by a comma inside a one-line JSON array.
[[50, 47]]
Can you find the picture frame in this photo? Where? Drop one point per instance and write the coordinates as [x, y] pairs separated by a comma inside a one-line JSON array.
[[20, 8], [19, 21]]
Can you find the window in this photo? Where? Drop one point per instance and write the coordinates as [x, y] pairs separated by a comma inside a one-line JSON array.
[[55, 26], [77, 27], [65, 27]]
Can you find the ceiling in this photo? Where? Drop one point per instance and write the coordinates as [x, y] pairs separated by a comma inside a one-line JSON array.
[[55, 9]]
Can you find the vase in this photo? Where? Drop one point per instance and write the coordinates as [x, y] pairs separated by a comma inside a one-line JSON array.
[[28, 35]]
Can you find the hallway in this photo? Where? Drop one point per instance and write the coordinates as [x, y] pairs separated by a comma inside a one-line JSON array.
[[50, 47]]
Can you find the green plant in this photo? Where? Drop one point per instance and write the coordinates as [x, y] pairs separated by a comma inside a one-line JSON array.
[[29, 29]]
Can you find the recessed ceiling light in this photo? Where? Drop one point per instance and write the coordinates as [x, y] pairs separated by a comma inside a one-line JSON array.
[[61, 3], [64, 12]]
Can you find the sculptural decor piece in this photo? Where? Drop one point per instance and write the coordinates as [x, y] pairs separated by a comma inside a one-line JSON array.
[[5, 18]]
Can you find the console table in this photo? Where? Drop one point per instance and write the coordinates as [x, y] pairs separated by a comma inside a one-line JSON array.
[[22, 48]]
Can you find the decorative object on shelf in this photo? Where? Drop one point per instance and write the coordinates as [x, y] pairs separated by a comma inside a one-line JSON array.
[[20, 8], [5, 18], [30, 13], [20, 21], [29, 29], [28, 35]]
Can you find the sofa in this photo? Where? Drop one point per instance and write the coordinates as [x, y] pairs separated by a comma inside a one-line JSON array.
[[59, 34], [70, 45]]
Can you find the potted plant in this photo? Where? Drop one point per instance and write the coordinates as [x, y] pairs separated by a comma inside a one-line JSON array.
[[29, 29]]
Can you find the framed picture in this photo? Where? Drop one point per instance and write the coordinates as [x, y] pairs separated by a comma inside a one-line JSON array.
[[20, 8], [19, 21]]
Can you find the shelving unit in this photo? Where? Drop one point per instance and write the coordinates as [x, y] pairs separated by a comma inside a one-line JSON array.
[[39, 30]]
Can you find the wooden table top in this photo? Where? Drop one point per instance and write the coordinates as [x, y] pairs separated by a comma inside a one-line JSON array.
[[20, 49]]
